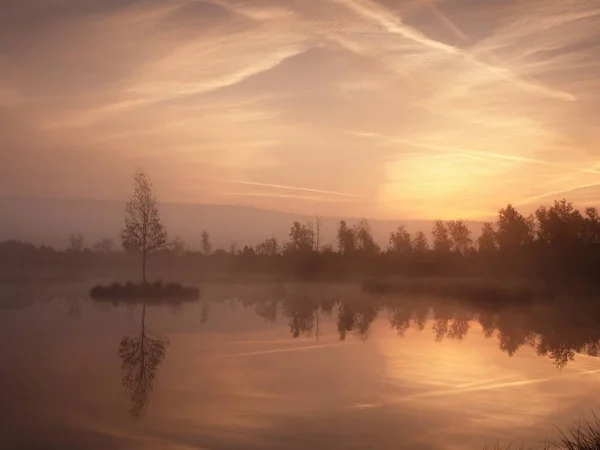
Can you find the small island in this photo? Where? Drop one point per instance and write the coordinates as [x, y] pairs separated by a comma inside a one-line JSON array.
[[145, 291], [145, 234]]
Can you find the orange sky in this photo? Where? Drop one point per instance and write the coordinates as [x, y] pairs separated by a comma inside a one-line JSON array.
[[387, 109]]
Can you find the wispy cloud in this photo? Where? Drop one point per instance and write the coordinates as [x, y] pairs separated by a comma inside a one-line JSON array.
[[377, 13], [310, 198], [293, 188], [418, 108], [435, 9]]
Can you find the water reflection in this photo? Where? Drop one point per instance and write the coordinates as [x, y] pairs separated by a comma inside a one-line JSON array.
[[141, 356], [555, 330], [355, 318]]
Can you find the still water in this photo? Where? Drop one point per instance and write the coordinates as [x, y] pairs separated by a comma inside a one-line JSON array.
[[288, 366]]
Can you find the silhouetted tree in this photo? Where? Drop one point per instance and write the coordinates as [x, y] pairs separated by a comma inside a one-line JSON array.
[[103, 246], [76, 242], [144, 231], [400, 241], [441, 237], [317, 240], [364, 239], [310, 225], [346, 239], [206, 245], [560, 225], [177, 246], [460, 235], [420, 244], [486, 242], [327, 249], [248, 252], [268, 248], [301, 239], [513, 230], [592, 226]]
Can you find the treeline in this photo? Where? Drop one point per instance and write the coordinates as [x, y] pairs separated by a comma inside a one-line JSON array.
[[555, 242]]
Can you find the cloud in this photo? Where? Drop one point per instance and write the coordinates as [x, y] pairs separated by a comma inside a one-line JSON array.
[[393, 107], [371, 11], [293, 188]]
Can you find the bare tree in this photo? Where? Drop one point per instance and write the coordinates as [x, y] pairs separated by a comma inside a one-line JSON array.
[[206, 245], [346, 238], [144, 231], [76, 242], [318, 225]]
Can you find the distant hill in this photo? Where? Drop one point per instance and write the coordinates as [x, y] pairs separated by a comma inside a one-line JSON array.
[[51, 221]]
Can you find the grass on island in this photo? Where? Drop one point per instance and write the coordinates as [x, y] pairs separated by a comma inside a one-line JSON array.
[[155, 290]]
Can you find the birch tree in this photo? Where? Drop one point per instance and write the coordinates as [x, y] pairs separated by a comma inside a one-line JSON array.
[[144, 231]]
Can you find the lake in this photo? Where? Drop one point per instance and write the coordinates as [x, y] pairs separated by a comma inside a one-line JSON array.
[[291, 366]]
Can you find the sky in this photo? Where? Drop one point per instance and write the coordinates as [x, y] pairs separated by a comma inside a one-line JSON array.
[[413, 109]]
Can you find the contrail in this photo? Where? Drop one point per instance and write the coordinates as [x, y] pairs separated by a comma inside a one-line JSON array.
[[393, 25], [461, 150], [555, 193], [431, 4], [293, 188], [300, 197], [279, 350], [492, 155], [375, 13], [475, 383], [459, 390]]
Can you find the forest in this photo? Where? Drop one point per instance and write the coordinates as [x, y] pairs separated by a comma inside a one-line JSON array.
[[556, 242]]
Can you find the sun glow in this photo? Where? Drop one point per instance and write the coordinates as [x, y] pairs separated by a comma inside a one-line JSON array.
[[434, 184]]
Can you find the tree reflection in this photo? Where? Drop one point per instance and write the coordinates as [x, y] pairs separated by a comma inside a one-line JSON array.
[[300, 312], [459, 328], [400, 319], [356, 318], [204, 310], [557, 331], [267, 309], [440, 329], [141, 356]]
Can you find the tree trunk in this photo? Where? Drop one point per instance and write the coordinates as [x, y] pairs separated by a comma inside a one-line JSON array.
[[144, 267]]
